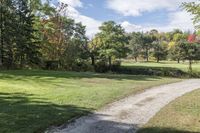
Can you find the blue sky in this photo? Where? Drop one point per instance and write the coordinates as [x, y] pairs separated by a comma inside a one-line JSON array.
[[133, 15]]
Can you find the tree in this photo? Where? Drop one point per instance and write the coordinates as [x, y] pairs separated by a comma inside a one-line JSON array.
[[26, 44], [147, 40], [190, 51], [64, 40], [160, 50], [16, 34], [135, 43], [194, 9], [174, 49], [113, 41], [94, 47]]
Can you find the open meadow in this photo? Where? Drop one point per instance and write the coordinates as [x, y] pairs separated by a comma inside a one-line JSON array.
[[32, 101]]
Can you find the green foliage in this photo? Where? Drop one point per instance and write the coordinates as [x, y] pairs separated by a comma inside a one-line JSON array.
[[35, 34], [190, 51], [19, 47], [194, 9], [135, 44], [152, 71], [113, 41], [147, 43], [160, 50]]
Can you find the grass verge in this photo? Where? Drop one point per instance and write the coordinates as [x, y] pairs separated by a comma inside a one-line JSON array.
[[180, 116]]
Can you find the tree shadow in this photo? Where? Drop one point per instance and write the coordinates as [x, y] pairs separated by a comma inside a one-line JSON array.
[[99, 126], [95, 124], [23, 75], [26, 113]]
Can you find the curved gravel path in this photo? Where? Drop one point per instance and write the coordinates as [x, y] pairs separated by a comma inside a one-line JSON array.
[[128, 114]]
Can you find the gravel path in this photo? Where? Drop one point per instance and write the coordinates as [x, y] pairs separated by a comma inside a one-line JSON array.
[[128, 114]]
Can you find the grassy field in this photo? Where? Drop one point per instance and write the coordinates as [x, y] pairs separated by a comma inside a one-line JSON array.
[[180, 116], [163, 64], [31, 101]]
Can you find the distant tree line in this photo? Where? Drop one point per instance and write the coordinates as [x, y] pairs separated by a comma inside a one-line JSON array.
[[34, 34], [175, 45]]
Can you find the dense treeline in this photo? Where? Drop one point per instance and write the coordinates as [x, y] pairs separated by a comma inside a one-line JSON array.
[[18, 45], [34, 34]]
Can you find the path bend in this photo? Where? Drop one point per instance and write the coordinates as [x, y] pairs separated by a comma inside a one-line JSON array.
[[130, 113]]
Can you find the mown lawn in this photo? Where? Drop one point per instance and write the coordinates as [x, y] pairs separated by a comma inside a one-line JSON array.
[[31, 101], [163, 64], [180, 116]]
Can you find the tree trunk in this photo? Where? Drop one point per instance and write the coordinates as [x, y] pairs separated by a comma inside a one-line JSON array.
[[178, 60], [110, 62], [158, 59], [93, 60], [135, 59], [147, 55], [190, 65], [1, 37]]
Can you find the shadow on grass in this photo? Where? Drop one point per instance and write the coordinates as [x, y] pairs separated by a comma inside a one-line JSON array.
[[163, 130], [96, 125], [26, 113], [52, 75]]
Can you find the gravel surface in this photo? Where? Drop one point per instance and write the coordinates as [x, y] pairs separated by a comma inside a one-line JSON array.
[[128, 114]]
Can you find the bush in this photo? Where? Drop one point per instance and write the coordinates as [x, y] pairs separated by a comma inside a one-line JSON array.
[[116, 65], [51, 65], [82, 67], [171, 72], [101, 67]]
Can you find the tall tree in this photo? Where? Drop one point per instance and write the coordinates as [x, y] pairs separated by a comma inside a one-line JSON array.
[[114, 41], [190, 52], [148, 39], [135, 43]]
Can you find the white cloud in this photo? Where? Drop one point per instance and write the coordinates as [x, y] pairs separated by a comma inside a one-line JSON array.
[[181, 20], [73, 3], [92, 25], [137, 7], [176, 19], [130, 27]]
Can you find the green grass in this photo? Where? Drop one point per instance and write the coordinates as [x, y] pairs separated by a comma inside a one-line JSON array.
[[31, 101], [180, 116], [163, 64]]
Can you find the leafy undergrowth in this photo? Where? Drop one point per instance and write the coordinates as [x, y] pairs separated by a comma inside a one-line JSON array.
[[180, 116]]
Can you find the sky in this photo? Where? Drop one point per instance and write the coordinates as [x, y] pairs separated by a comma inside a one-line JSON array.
[[133, 15]]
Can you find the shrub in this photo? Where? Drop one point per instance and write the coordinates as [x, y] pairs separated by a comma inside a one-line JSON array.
[[171, 72], [101, 66], [82, 67]]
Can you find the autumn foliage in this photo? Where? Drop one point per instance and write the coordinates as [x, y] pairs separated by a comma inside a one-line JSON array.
[[191, 38]]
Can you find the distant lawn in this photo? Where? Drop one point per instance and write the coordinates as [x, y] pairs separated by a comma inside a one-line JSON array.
[[180, 116], [31, 101], [165, 64]]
